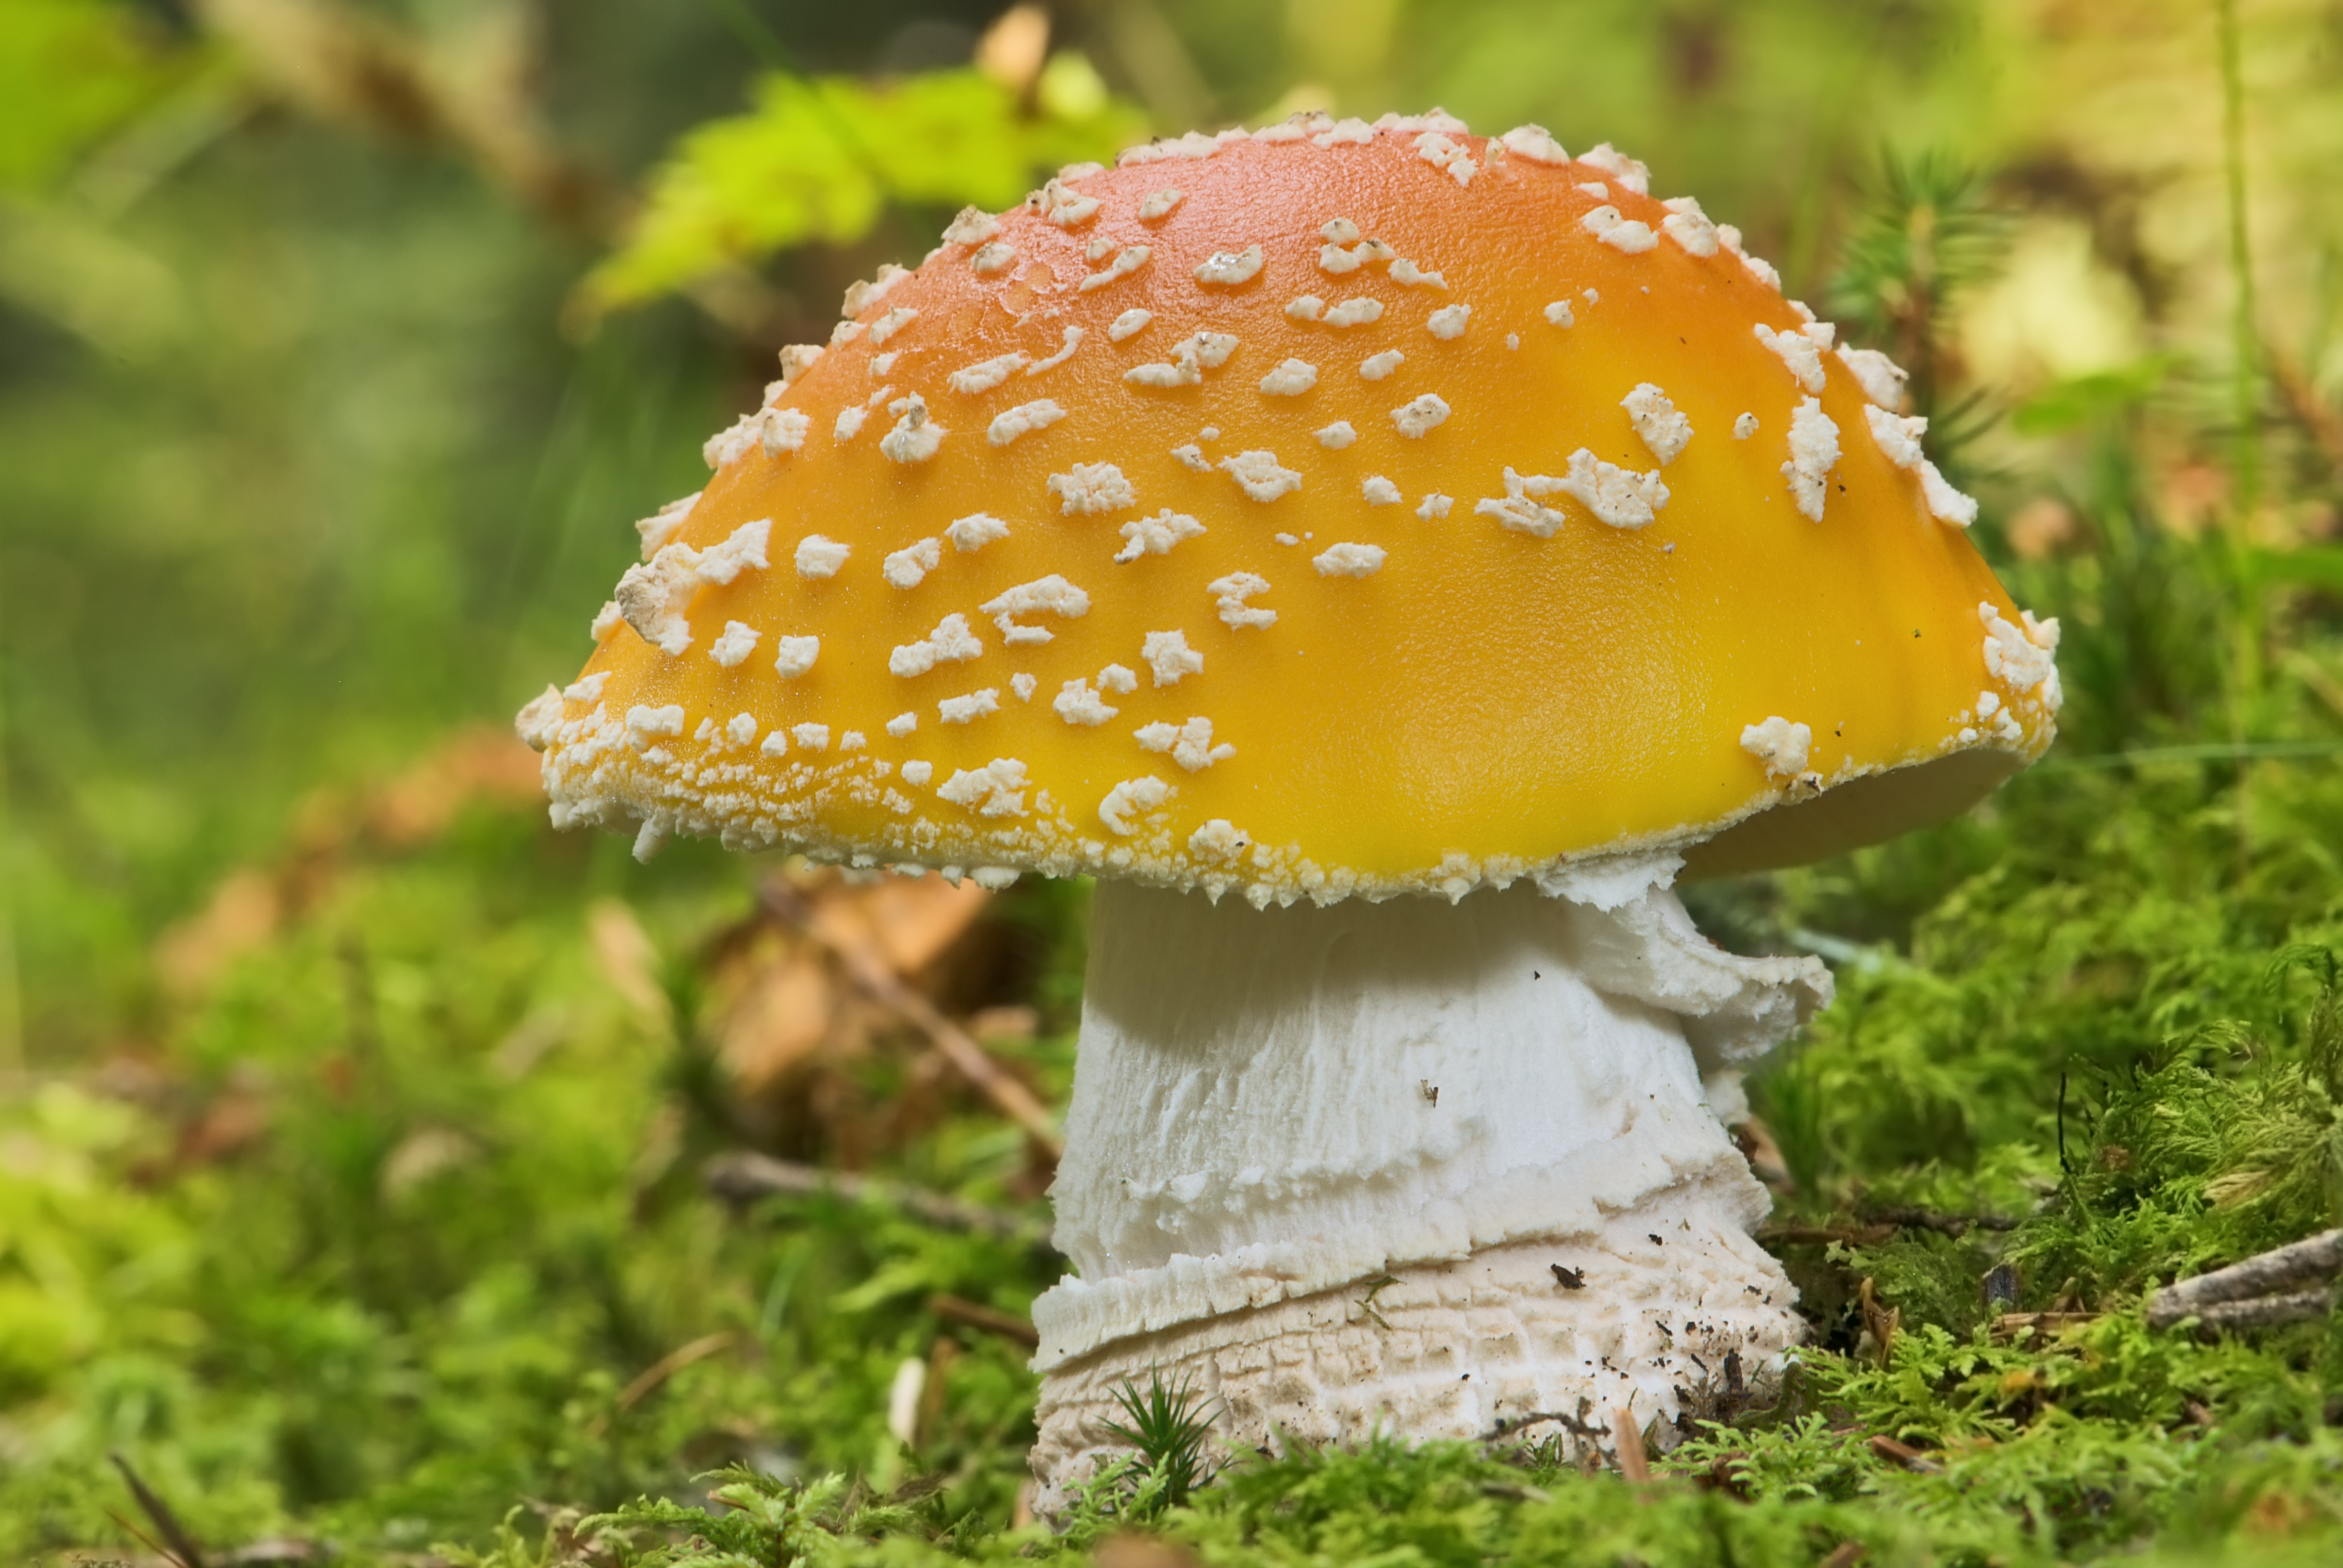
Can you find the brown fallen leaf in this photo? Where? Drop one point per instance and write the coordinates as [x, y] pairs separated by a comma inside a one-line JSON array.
[[783, 1013], [474, 764], [225, 1127], [865, 968], [1627, 1443], [624, 953], [241, 915], [479, 763], [910, 921], [1880, 1323], [1140, 1552]]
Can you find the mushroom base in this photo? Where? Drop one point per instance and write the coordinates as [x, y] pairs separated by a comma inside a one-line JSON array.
[[1678, 1316], [1275, 1110]]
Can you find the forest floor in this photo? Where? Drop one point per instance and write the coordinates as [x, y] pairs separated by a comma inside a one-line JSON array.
[[400, 1244]]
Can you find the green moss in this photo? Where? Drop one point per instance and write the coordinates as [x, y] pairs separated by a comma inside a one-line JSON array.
[[473, 1220]]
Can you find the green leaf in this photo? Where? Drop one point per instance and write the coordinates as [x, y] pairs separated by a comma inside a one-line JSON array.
[[70, 72], [817, 160], [2308, 566], [2077, 401]]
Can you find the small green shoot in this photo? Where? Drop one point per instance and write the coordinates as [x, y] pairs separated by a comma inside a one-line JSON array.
[[1927, 233], [1169, 1424]]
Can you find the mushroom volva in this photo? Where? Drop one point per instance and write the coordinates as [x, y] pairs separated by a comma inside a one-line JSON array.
[[1386, 559]]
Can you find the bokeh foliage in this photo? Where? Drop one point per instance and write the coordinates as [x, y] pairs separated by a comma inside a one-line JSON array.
[[349, 1180], [819, 160]]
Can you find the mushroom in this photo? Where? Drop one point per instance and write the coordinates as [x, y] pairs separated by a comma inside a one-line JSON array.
[[1387, 559]]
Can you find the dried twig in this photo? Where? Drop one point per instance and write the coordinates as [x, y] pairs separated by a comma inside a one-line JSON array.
[[2302, 398], [743, 1178], [2267, 1311], [649, 1380], [1574, 1422], [2008, 1325], [977, 1315], [341, 64], [1508, 1428], [2282, 1269], [1873, 1227], [1905, 1455], [1822, 1235], [182, 1547], [145, 1539], [1955, 1225], [876, 980]]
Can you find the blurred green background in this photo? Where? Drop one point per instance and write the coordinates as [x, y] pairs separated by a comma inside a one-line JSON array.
[[339, 345]]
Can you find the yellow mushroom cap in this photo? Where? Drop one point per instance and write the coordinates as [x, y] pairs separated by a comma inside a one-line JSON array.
[[1329, 510]]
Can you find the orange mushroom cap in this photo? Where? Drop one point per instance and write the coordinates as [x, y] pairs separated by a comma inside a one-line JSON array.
[[1329, 510]]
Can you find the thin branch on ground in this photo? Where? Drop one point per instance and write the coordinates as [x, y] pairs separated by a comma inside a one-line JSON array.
[[182, 1547], [1954, 1225], [2267, 1311], [647, 1381], [742, 1177], [2008, 1325], [2280, 1270], [2324, 423], [870, 975], [1823, 1235], [148, 1542], [992, 1321], [1905, 1456], [1873, 1227]]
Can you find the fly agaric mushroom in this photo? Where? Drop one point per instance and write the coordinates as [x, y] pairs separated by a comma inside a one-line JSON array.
[[1439, 545]]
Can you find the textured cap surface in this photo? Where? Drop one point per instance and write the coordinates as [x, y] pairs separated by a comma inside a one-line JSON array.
[[1324, 511]]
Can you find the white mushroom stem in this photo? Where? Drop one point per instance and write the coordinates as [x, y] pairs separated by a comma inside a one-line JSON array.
[[1324, 1161]]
